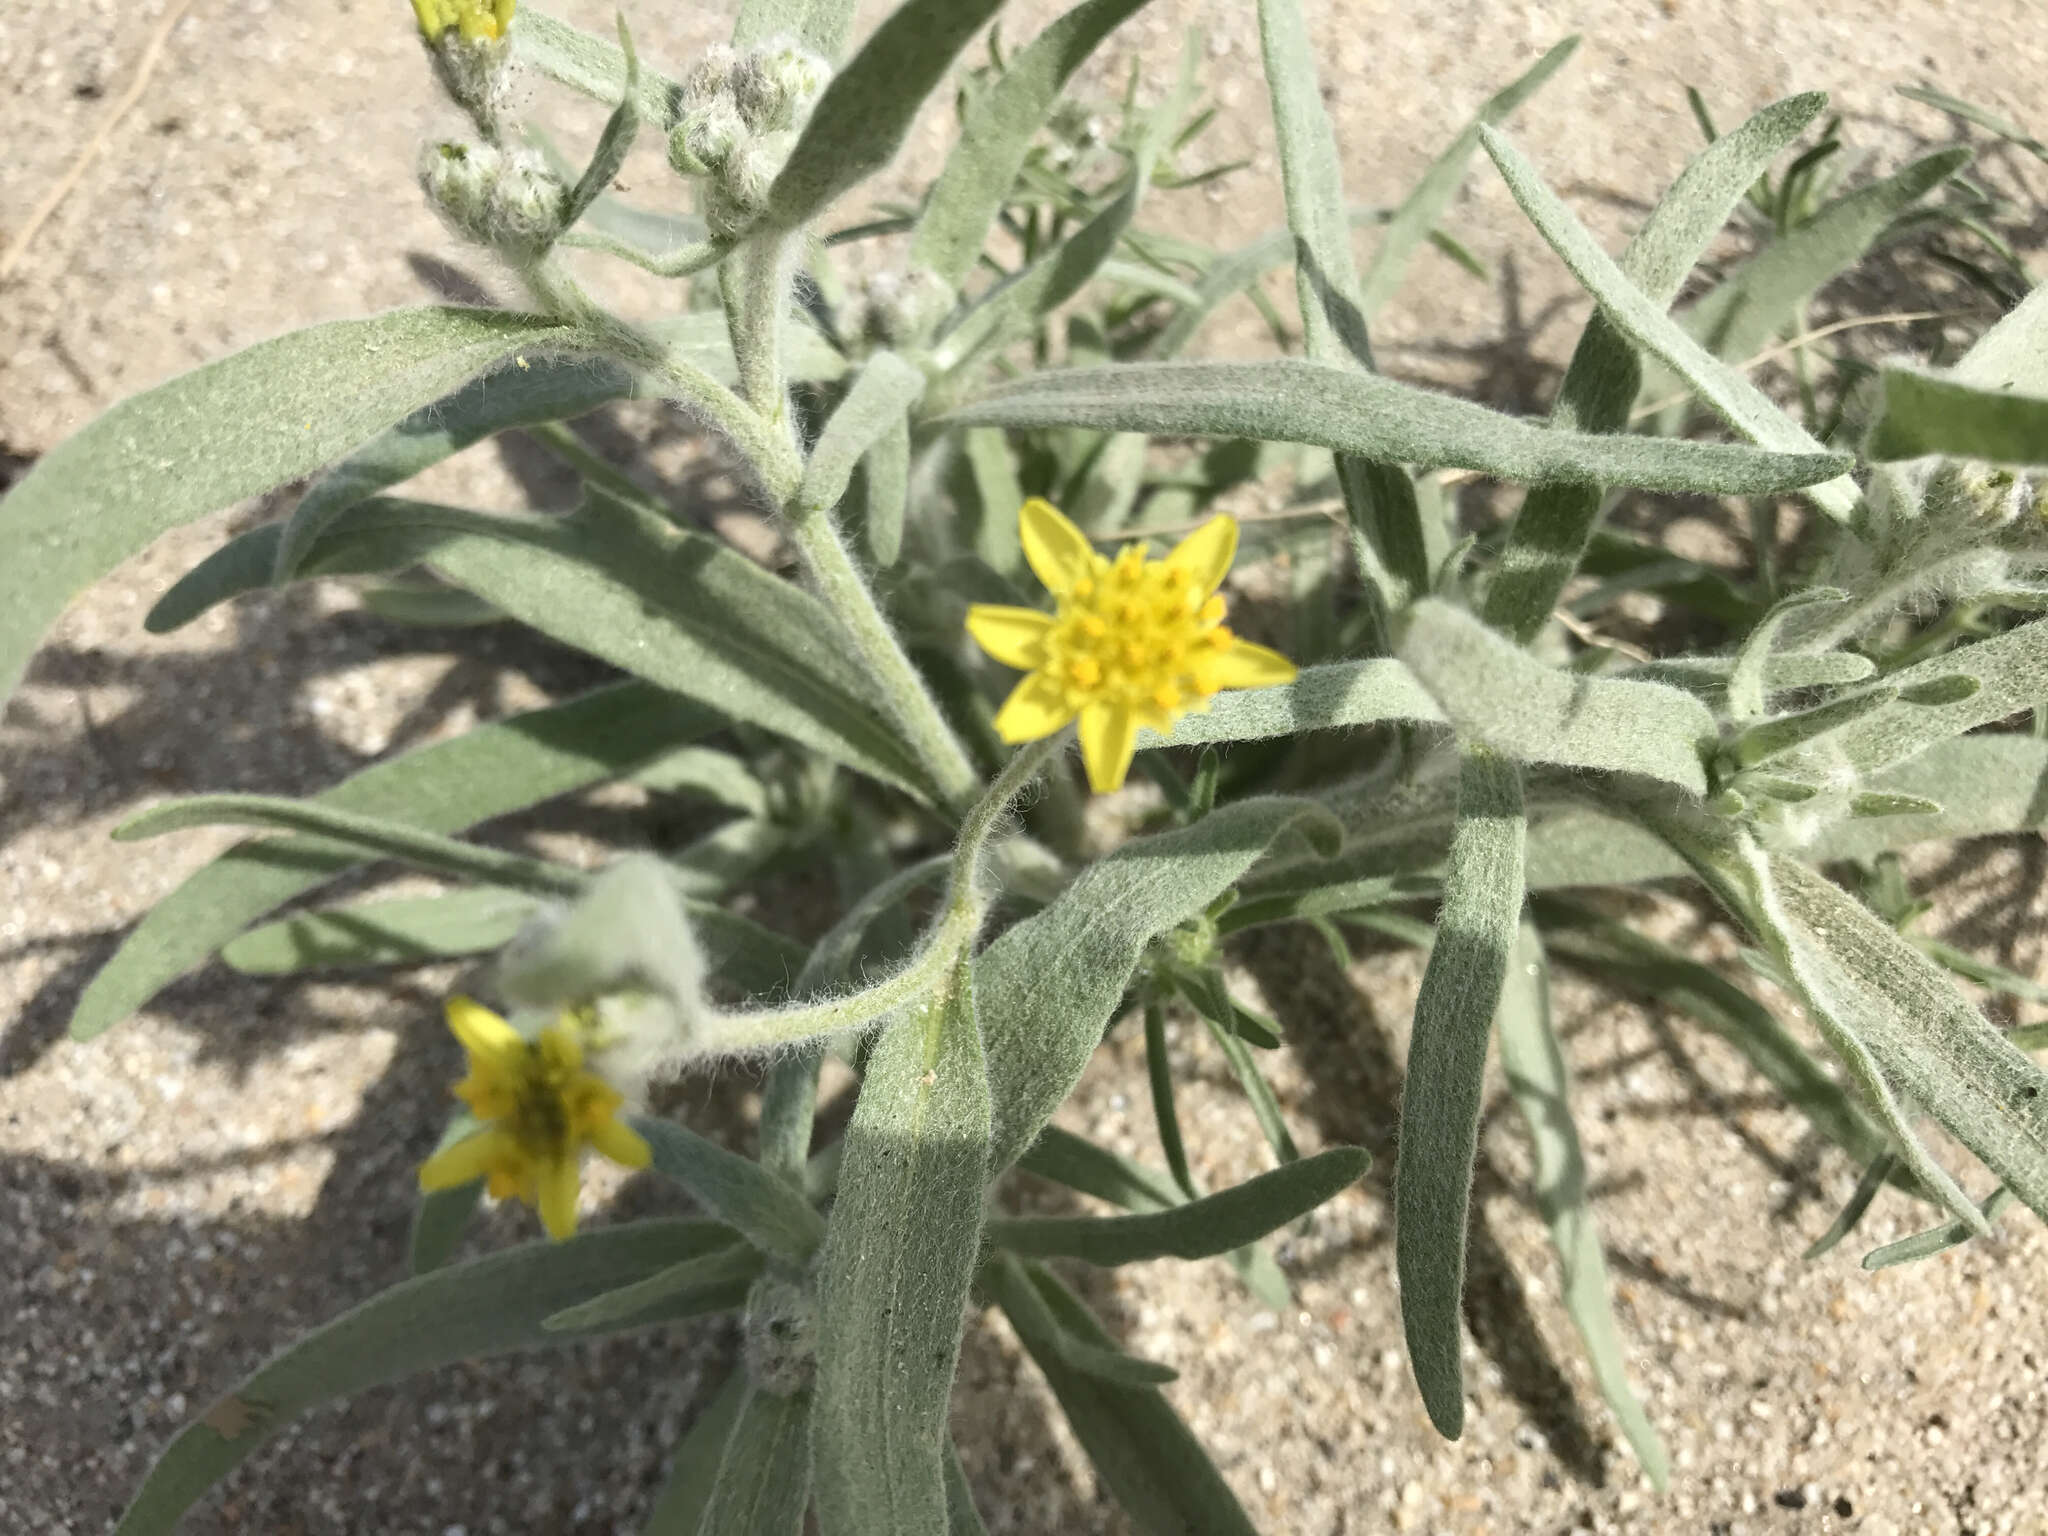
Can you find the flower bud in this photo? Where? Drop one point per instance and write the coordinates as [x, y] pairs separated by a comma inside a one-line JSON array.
[[467, 41], [509, 201]]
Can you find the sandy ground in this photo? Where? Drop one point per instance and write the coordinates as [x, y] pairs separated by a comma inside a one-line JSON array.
[[233, 1165]]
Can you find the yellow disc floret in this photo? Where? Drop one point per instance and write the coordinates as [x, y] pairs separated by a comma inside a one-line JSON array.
[[476, 20], [539, 1106], [1134, 642]]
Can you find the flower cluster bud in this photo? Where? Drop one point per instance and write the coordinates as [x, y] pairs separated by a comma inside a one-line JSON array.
[[901, 309], [741, 116], [505, 199]]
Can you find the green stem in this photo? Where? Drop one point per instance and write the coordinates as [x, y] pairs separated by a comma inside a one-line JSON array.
[[947, 940], [755, 287]]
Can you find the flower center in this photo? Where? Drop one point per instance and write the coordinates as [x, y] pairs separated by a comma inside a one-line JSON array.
[[1140, 634], [549, 1079]]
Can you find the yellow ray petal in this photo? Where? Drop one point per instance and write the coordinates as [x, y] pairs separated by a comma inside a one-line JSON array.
[[468, 1159], [1207, 552], [1058, 551], [1014, 636], [1036, 707], [1109, 735], [483, 1034], [558, 1197], [621, 1143], [1246, 665]]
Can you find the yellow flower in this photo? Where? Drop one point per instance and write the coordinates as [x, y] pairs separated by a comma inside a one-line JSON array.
[[538, 1106], [1134, 642], [476, 20]]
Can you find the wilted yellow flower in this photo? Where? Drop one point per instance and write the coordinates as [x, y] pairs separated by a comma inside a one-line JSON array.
[[539, 1106], [1134, 642], [476, 20]]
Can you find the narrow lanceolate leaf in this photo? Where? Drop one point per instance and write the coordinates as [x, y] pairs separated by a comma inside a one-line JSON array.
[[861, 120], [1051, 984], [894, 1274], [762, 1208], [1903, 1014], [674, 607], [1081, 1165], [491, 770], [1540, 1083], [1336, 696], [1599, 387], [720, 1269], [1201, 1229], [996, 135], [592, 66], [876, 405], [1498, 695], [2011, 670], [678, 1508], [1759, 301], [1988, 783], [962, 1518], [1925, 1245], [1431, 196], [403, 930], [487, 1306], [1232, 273], [230, 429], [1446, 1061], [1744, 406], [1379, 497], [1005, 1277], [1148, 1458], [1749, 678], [1290, 400], [764, 1479], [820, 25], [1927, 413], [888, 494], [2013, 354], [1011, 309], [372, 837]]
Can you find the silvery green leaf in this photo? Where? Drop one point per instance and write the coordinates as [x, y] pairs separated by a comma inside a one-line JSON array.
[[763, 1484], [442, 1216], [593, 66], [1749, 678], [1005, 1278], [1051, 984], [1427, 201], [1446, 1062], [1379, 498], [1144, 1453], [1232, 273], [861, 120], [491, 770], [2013, 354], [1887, 803], [1265, 1105], [996, 135], [1081, 1165], [987, 492], [1013, 307], [718, 1270], [1925, 413], [820, 25], [1881, 1169], [1783, 671], [875, 406], [371, 837], [229, 429], [1924, 1245], [1200, 1229], [1540, 1084], [1744, 406], [2010, 668], [1335, 696], [614, 144], [894, 1273], [402, 930], [1600, 384], [1760, 298], [675, 607], [1497, 695], [1289, 400], [886, 484], [962, 1518], [487, 1306], [1898, 1021], [693, 1465], [1774, 738], [762, 1208]]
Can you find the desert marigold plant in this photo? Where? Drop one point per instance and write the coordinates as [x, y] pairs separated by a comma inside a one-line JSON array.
[[1469, 731], [1134, 644]]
